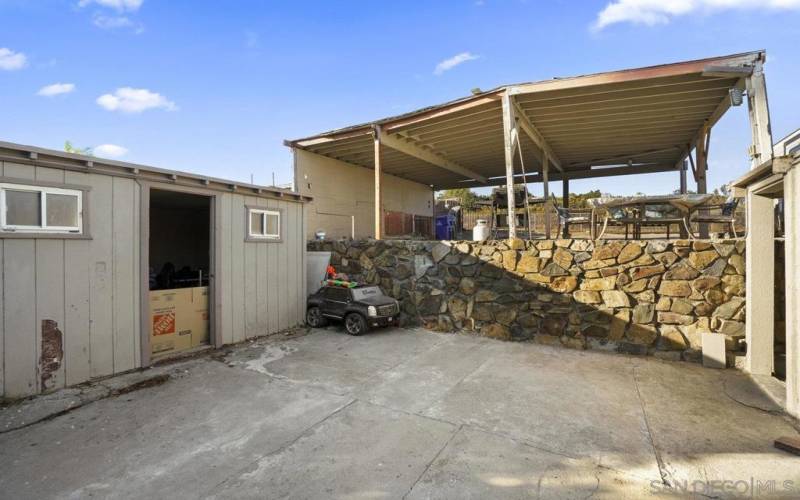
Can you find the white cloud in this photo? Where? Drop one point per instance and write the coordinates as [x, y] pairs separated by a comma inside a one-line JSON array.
[[454, 61], [116, 22], [111, 22], [10, 60], [56, 89], [652, 12], [110, 151], [119, 5], [130, 100]]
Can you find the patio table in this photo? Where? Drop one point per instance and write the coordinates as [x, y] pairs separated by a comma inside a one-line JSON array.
[[683, 203]]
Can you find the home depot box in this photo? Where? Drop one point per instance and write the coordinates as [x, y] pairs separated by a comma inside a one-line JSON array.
[[178, 319]]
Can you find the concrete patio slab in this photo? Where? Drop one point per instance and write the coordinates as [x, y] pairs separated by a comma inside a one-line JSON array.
[[701, 432], [178, 440], [575, 403], [478, 464], [362, 451], [408, 413]]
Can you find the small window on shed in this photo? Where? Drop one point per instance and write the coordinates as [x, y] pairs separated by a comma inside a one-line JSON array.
[[37, 209], [264, 224]]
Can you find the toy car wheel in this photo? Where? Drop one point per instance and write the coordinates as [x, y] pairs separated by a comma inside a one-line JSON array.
[[354, 324], [314, 317]]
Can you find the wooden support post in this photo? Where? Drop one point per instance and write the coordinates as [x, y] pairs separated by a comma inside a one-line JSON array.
[[683, 184], [701, 165], [510, 138], [565, 204], [546, 186], [683, 189], [378, 188], [758, 110]]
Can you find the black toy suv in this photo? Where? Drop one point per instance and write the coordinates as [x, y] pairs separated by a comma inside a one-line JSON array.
[[361, 308]]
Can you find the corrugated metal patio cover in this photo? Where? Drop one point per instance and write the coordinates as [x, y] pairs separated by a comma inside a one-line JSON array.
[[644, 120]]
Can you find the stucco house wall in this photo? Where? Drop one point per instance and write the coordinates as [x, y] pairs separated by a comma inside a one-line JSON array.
[[342, 190]]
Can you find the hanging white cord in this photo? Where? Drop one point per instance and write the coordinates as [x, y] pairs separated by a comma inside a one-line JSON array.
[[525, 182]]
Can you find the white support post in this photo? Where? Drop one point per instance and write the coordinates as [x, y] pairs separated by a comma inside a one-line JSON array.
[[510, 138], [378, 188], [791, 190], [760, 284], [546, 186], [758, 109]]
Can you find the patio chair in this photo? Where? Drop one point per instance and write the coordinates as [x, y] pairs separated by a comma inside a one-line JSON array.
[[726, 216], [566, 217]]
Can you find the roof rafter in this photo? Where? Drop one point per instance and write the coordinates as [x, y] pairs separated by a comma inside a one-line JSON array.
[[401, 144], [536, 136]]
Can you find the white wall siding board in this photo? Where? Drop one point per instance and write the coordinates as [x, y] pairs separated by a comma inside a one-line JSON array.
[[101, 271], [77, 312], [251, 298], [236, 222], [2, 322], [19, 280], [124, 278], [262, 285], [270, 279], [295, 238], [226, 267], [283, 285], [77, 302], [137, 268], [2, 315]]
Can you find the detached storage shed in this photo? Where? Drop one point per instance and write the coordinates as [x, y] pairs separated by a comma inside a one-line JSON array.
[[107, 266]]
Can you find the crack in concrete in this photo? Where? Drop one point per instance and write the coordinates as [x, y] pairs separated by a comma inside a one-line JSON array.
[[661, 467], [428, 466], [306, 432]]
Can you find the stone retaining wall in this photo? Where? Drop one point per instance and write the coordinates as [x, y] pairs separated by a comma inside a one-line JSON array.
[[645, 297]]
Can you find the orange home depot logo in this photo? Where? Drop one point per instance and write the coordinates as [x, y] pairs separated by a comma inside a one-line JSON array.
[[164, 323]]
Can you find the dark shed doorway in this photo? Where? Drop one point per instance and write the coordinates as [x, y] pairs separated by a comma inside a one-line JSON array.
[[179, 266]]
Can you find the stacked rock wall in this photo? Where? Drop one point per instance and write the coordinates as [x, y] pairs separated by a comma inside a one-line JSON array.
[[646, 297]]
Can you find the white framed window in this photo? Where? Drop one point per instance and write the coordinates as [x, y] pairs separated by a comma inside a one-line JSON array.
[[264, 224], [39, 209]]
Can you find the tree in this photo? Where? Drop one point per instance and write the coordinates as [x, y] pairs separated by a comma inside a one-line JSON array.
[[467, 197], [69, 148]]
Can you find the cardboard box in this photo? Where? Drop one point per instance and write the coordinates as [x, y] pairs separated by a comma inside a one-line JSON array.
[[179, 319]]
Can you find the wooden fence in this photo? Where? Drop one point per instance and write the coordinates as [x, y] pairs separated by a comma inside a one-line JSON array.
[[398, 224]]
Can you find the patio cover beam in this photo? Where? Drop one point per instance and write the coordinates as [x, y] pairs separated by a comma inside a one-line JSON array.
[[714, 67], [758, 110], [577, 174], [525, 124], [404, 145]]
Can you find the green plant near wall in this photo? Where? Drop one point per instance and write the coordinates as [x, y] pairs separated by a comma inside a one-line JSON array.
[[69, 148]]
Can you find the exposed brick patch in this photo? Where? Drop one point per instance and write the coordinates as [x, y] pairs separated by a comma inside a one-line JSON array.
[[52, 352]]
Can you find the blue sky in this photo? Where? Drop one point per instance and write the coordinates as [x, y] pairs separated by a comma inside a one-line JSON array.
[[215, 87]]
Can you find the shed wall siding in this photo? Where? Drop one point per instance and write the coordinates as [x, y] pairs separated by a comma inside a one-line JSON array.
[[261, 282], [345, 189], [88, 288]]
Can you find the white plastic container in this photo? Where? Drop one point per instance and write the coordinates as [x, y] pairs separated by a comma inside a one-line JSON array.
[[481, 231]]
